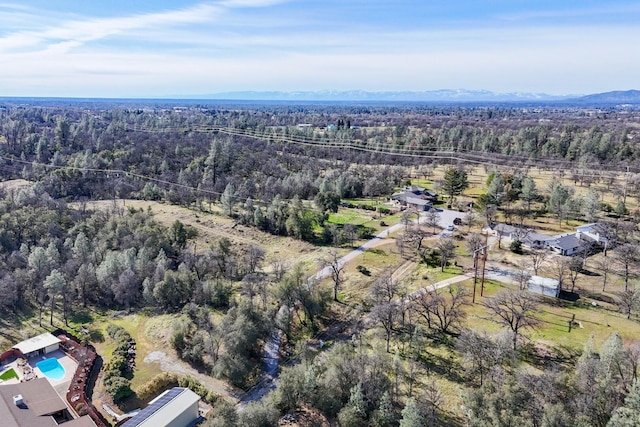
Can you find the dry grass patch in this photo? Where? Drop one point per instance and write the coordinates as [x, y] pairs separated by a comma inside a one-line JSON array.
[[211, 227]]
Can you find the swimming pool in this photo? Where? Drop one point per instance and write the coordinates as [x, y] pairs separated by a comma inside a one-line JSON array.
[[51, 368]]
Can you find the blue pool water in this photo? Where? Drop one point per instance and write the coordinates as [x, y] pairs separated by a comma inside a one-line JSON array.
[[51, 368]]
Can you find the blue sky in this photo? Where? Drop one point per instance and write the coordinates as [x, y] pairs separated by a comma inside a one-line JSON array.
[[145, 48]]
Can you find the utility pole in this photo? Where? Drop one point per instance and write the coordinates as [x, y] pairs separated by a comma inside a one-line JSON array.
[[626, 181], [484, 249], [484, 263], [475, 274]]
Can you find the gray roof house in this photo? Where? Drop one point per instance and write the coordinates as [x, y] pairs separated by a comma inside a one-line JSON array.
[[567, 244], [36, 404], [528, 237], [414, 191], [418, 203], [596, 232], [506, 231], [536, 240]]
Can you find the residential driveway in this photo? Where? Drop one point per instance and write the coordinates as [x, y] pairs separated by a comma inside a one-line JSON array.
[[272, 346], [447, 216]]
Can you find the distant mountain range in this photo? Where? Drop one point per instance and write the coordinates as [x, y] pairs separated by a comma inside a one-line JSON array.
[[443, 95], [615, 97]]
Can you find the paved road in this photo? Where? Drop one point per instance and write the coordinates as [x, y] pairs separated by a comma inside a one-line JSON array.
[[446, 219], [270, 358]]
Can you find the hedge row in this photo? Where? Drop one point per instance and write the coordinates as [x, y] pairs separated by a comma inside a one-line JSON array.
[[119, 369], [166, 380]]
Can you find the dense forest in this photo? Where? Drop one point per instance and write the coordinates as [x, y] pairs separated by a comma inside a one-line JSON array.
[[283, 169]]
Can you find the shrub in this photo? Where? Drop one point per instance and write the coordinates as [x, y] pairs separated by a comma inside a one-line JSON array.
[[117, 370], [383, 210], [81, 409], [119, 388], [198, 388], [362, 269], [516, 247], [156, 385], [117, 333]]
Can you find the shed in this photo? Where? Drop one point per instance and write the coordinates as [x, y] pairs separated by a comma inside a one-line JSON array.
[[544, 286], [39, 345], [176, 407]]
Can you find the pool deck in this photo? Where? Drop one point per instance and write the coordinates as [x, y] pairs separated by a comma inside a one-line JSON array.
[[61, 386], [69, 365]]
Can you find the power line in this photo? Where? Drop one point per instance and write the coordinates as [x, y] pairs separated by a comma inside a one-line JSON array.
[[387, 148]]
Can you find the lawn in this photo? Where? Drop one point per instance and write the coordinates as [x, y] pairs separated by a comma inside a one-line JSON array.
[[8, 374], [554, 316], [349, 216], [139, 327]]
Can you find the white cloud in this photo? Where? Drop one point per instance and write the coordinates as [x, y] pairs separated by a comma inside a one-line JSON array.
[[86, 29], [250, 3], [214, 47]]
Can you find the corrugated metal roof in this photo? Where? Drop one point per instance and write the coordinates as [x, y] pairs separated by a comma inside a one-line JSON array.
[[164, 408], [543, 286]]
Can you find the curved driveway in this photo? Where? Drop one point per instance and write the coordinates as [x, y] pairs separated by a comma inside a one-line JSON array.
[[270, 358]]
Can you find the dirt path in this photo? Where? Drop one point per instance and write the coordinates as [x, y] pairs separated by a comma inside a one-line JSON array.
[[403, 270], [170, 364]]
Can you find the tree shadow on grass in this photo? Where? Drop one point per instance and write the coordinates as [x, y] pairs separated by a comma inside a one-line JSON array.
[[544, 357], [81, 316], [442, 366]]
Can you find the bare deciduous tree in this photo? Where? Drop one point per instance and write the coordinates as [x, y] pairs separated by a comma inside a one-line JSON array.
[[560, 268], [574, 269], [385, 310], [278, 269], [481, 353], [447, 250], [536, 258], [469, 219], [432, 219], [522, 277], [385, 314], [605, 266], [628, 300], [253, 258], [515, 310], [336, 266], [474, 242], [627, 255], [442, 312]]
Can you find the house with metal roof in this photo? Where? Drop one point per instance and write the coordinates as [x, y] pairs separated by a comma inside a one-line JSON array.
[[176, 407]]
